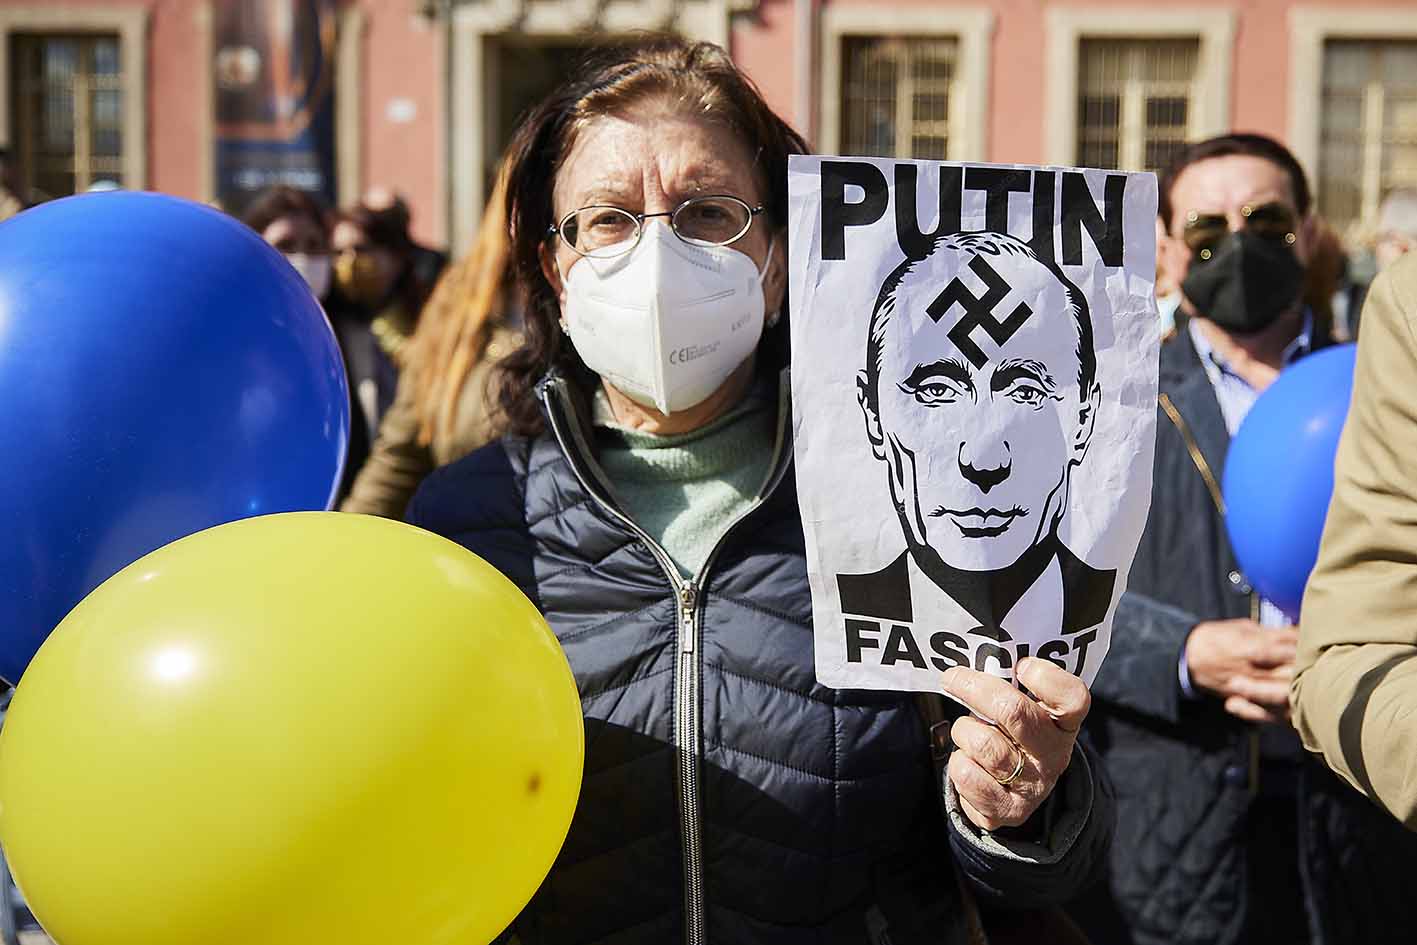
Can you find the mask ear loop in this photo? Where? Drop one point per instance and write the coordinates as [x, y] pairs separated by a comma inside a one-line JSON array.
[[561, 275]]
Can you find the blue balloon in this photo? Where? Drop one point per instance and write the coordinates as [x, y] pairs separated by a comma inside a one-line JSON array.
[[162, 371], [1279, 474]]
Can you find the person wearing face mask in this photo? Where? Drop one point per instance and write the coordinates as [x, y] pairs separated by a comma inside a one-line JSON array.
[[294, 223], [376, 299], [297, 226], [443, 408], [1234, 834], [645, 500]]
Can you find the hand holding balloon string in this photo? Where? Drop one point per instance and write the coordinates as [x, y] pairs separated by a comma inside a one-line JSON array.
[[1247, 665], [1011, 752]]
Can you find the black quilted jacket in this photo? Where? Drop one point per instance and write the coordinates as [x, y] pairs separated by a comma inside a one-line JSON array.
[[727, 797], [1183, 769]]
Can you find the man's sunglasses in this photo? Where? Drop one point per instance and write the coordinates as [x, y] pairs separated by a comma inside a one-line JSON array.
[[1273, 221]]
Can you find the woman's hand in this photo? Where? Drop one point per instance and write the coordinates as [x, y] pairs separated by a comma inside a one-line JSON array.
[[1004, 771]]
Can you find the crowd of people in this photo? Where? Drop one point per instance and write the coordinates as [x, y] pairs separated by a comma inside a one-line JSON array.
[[418, 335], [727, 796], [1174, 803]]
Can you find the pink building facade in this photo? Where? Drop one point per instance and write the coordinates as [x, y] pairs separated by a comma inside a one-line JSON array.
[[426, 91]]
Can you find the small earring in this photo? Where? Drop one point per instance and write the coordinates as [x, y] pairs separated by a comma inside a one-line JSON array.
[[774, 318]]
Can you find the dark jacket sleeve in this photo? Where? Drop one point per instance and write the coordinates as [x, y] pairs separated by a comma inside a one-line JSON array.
[[1072, 855], [1140, 673], [1141, 670]]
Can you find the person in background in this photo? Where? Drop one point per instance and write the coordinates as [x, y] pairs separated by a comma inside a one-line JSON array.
[[428, 263], [379, 296], [1355, 686], [1233, 834], [728, 796], [1394, 236], [443, 408], [294, 223], [12, 190], [1397, 228], [1168, 294], [1325, 279]]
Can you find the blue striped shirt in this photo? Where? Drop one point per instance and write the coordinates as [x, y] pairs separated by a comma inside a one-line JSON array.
[[1236, 396]]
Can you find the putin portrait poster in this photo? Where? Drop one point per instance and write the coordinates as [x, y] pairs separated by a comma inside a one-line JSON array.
[[974, 372]]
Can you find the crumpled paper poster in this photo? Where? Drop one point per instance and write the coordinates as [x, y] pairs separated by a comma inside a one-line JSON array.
[[974, 376]]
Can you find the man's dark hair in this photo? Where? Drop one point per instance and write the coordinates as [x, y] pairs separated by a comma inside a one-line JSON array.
[[1251, 145], [282, 201], [983, 243]]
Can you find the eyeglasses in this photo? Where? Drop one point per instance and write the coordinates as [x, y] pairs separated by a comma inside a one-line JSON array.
[[604, 232], [1273, 221]]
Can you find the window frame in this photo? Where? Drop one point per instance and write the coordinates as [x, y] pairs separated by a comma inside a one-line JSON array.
[[1309, 29], [1132, 95], [476, 33], [130, 25], [971, 27], [1067, 27]]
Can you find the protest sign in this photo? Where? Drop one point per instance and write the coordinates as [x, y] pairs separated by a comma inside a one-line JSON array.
[[974, 375]]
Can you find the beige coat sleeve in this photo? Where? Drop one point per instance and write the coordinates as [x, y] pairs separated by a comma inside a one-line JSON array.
[[397, 462], [1355, 689]]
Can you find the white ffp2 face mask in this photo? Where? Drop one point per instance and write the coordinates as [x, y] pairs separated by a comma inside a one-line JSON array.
[[667, 322], [314, 269]]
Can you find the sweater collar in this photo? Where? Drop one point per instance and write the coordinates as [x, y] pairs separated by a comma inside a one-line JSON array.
[[563, 406], [710, 451]]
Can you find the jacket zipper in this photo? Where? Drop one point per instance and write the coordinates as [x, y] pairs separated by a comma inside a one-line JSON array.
[[687, 722], [688, 746]]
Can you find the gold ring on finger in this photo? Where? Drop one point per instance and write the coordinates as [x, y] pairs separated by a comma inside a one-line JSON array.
[[1018, 762], [1018, 768]]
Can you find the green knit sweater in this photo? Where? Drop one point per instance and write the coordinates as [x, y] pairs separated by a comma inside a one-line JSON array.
[[685, 490]]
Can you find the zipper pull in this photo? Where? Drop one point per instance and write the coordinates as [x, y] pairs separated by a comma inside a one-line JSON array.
[[688, 599]]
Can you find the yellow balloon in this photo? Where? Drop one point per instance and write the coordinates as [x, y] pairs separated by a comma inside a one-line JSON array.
[[296, 729]]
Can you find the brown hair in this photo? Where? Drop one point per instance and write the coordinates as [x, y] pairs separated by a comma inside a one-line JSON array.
[[458, 319], [1323, 275], [387, 228], [282, 201], [697, 78]]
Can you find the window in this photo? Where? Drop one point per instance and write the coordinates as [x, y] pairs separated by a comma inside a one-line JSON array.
[[1135, 99], [67, 111], [1368, 130], [896, 96]]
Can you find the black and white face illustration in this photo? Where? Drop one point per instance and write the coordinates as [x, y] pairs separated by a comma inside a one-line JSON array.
[[979, 396]]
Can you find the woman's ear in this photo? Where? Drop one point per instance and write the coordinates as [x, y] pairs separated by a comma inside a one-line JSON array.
[[552, 271], [775, 274]]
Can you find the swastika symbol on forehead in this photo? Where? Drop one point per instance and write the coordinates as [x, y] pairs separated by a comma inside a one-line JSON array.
[[979, 311]]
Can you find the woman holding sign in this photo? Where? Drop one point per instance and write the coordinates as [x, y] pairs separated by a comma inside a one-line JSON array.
[[645, 500]]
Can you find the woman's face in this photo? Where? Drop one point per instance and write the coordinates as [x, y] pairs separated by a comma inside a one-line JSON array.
[[365, 271], [296, 233], [650, 160]]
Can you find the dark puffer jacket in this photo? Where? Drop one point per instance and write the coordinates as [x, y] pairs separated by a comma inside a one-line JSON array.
[[727, 798], [1184, 770]]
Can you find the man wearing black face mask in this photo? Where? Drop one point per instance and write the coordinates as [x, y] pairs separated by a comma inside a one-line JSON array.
[[1231, 832]]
